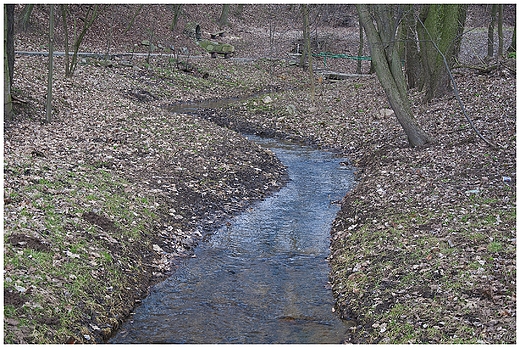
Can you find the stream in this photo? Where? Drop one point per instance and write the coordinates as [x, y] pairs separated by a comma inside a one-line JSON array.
[[263, 277]]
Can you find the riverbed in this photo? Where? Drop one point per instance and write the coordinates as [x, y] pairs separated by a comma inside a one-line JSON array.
[[263, 276]]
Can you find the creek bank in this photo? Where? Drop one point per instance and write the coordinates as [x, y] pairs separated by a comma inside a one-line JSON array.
[[100, 203], [423, 249], [276, 251], [481, 303]]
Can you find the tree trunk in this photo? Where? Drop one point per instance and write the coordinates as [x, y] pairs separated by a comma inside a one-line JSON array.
[[66, 34], [387, 18], [110, 37], [307, 42], [412, 57], [90, 17], [26, 14], [10, 42], [439, 28], [272, 32], [383, 52], [360, 49], [500, 31], [8, 103], [491, 27], [512, 47], [457, 40], [48, 108], [305, 34], [223, 20], [177, 9], [133, 18], [239, 10]]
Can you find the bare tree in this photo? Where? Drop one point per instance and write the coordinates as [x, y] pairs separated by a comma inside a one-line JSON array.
[[133, 18], [10, 41], [110, 37], [360, 49], [305, 35], [412, 58], [177, 9], [307, 43], [239, 10], [8, 102], [491, 28], [48, 104], [512, 46], [388, 65], [500, 30], [89, 18], [25, 15], [63, 9]]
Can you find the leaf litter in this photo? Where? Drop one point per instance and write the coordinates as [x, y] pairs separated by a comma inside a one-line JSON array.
[[116, 188], [99, 204]]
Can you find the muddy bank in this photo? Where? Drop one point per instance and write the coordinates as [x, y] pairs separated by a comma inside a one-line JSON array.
[[101, 203]]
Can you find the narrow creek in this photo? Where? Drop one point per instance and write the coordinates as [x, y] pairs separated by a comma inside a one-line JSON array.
[[261, 278]]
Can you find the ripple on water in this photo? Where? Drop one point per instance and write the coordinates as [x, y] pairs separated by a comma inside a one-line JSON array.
[[262, 279]]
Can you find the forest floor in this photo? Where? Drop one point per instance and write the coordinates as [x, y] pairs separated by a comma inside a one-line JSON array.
[[102, 202]]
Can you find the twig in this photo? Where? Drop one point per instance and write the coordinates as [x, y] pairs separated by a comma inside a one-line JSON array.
[[17, 100]]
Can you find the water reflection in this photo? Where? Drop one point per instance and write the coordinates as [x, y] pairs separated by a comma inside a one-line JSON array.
[[263, 278]]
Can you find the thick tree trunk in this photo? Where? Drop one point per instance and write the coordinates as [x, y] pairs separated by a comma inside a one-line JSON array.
[[439, 29], [387, 18], [392, 80], [223, 20]]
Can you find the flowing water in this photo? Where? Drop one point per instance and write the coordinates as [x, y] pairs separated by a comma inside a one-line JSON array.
[[263, 278]]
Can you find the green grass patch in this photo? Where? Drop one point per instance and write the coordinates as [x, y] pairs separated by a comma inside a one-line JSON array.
[[65, 279]]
